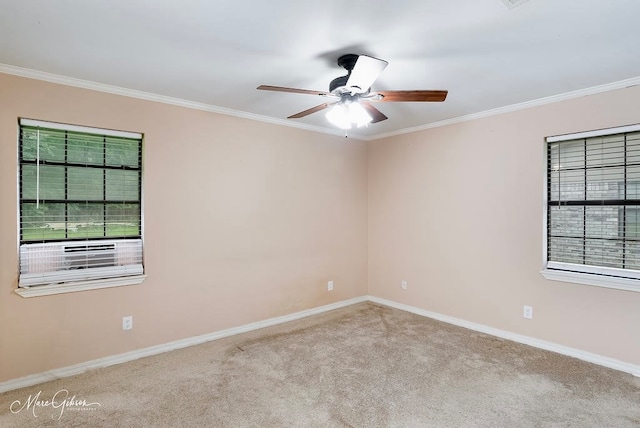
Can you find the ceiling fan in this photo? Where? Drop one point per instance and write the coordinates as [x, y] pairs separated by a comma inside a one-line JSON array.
[[352, 93]]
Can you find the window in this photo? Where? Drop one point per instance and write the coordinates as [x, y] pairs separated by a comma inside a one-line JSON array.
[[80, 206], [593, 208]]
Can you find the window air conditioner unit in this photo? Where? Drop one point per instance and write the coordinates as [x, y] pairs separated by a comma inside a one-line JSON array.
[[60, 262]]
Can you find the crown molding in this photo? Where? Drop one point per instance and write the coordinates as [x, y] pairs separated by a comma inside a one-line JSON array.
[[132, 93], [148, 96], [627, 83]]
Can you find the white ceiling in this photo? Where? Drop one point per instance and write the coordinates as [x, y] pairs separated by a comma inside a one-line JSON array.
[[215, 53]]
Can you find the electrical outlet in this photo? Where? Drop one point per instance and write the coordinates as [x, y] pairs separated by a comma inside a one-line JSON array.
[[127, 322], [527, 312], [330, 285], [403, 284]]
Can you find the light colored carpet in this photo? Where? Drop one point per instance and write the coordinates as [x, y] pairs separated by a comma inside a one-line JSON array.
[[361, 366]]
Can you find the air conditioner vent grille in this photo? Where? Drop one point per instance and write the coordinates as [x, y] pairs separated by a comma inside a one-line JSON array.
[[87, 256], [84, 248]]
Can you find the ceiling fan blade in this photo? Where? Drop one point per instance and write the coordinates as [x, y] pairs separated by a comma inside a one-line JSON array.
[[292, 90], [310, 111], [365, 72], [376, 114], [416, 96]]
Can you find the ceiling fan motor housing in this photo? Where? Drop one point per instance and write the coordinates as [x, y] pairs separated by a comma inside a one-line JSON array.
[[337, 83], [347, 62]]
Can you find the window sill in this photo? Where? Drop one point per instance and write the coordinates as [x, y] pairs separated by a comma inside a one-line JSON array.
[[618, 283], [72, 287]]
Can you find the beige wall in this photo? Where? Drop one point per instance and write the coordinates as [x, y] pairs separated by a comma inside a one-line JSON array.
[[244, 221], [457, 211]]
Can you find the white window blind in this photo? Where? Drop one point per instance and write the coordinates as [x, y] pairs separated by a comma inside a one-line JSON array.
[[80, 203], [593, 202]]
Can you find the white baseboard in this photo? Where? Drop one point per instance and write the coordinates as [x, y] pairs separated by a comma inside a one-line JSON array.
[[536, 343], [75, 369]]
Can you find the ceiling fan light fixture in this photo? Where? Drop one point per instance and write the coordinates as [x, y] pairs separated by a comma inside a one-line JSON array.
[[339, 116], [345, 115], [358, 115]]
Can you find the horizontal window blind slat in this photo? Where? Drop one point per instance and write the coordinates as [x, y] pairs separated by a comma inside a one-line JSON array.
[[594, 202]]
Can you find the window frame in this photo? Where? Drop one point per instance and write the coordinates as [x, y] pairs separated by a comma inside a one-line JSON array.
[[616, 278], [126, 278]]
